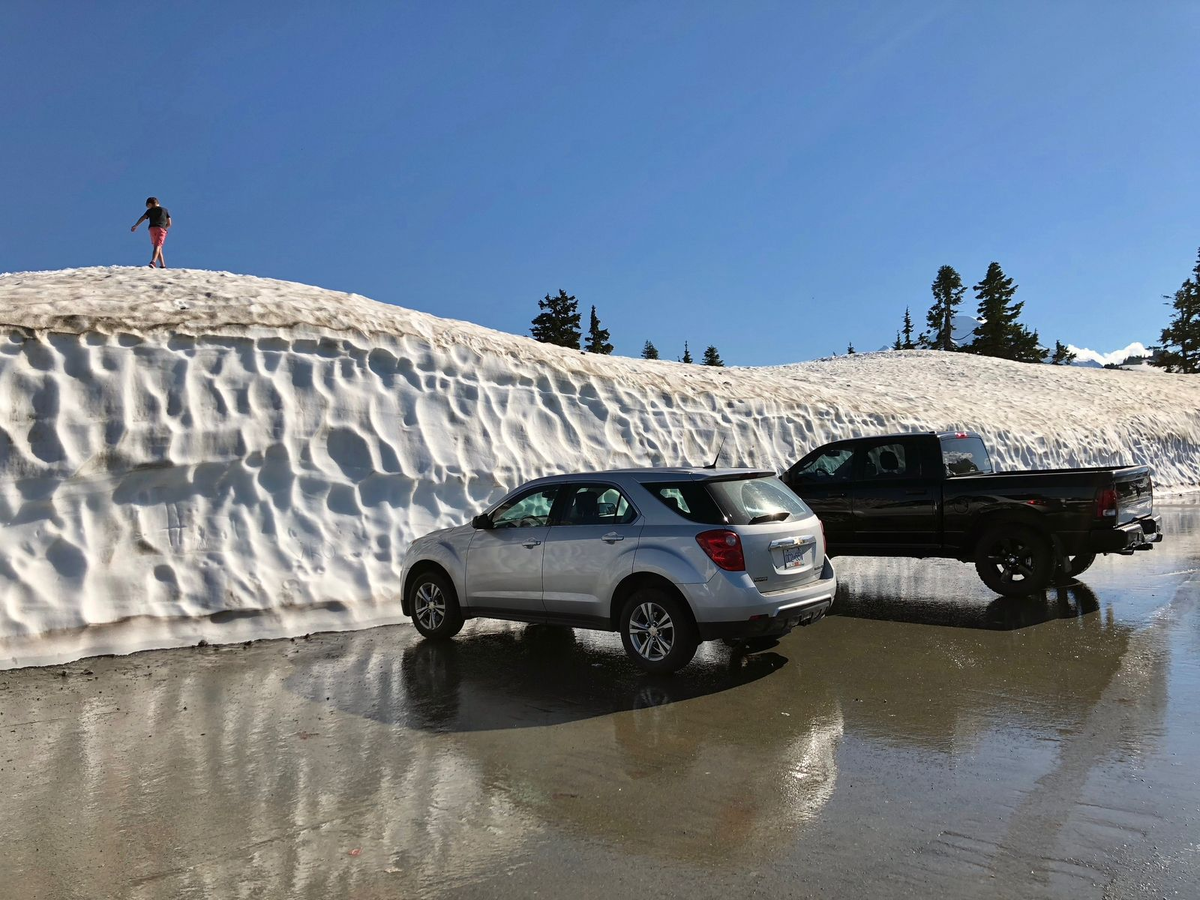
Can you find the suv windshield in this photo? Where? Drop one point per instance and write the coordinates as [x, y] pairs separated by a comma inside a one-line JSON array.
[[752, 501]]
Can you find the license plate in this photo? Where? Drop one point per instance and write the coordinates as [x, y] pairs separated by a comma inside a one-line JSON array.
[[793, 557]]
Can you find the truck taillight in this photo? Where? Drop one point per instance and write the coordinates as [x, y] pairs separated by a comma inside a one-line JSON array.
[[1106, 504], [724, 548]]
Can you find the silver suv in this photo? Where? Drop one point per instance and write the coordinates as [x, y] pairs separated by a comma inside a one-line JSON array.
[[667, 557]]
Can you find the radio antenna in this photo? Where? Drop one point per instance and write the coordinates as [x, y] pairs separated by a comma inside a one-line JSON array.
[[713, 464]]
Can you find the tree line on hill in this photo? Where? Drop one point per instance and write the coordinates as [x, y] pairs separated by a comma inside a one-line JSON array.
[[999, 332], [559, 323]]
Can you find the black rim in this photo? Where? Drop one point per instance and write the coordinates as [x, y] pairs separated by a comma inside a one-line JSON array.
[[1012, 559]]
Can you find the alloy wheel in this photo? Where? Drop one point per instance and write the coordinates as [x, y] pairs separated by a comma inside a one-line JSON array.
[[651, 631], [430, 606]]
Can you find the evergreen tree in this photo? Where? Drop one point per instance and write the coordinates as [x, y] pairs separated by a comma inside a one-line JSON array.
[[850, 348], [899, 345], [1062, 356], [1000, 334], [1179, 349], [687, 354], [558, 323], [712, 357], [597, 341], [948, 291], [908, 331], [649, 351]]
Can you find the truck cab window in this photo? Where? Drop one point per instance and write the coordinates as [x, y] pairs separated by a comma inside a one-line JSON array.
[[889, 460], [829, 466]]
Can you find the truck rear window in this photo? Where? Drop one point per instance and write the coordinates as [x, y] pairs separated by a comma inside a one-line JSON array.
[[965, 456]]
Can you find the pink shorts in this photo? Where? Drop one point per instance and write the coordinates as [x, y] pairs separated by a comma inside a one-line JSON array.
[[157, 235]]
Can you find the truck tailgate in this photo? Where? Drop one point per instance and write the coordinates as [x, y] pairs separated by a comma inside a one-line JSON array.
[[1135, 493]]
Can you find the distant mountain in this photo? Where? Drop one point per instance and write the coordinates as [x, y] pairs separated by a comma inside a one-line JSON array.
[[963, 329], [1095, 360]]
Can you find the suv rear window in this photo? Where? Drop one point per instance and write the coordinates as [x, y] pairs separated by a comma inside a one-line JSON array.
[[754, 500], [690, 499]]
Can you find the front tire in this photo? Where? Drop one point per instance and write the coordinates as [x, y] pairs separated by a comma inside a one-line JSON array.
[[1014, 560], [657, 631], [434, 604]]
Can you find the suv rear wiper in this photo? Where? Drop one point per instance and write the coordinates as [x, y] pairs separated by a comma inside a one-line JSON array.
[[770, 517]]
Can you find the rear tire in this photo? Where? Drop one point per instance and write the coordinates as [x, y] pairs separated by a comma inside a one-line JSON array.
[[1014, 560], [657, 631], [434, 604]]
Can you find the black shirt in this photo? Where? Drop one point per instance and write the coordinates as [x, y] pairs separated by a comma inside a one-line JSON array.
[[157, 215]]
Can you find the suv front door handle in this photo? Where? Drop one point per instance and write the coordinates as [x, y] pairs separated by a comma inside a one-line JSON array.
[[531, 543], [612, 537]]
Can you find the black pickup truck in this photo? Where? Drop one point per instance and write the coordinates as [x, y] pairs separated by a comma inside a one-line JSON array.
[[937, 495]]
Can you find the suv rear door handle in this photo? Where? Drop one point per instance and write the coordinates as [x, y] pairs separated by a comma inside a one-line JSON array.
[[531, 543], [612, 537]]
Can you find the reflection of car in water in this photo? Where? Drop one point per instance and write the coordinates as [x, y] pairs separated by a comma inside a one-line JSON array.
[[1042, 660], [668, 558], [560, 727]]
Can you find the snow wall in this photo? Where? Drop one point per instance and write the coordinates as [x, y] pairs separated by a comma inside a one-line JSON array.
[[188, 454]]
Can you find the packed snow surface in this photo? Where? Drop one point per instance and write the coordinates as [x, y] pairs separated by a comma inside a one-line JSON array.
[[189, 454]]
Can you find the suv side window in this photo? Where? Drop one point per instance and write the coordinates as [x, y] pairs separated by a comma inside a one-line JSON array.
[[528, 510], [889, 459], [828, 467], [688, 499], [595, 504]]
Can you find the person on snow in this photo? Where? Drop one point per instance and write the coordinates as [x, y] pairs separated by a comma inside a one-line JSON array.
[[160, 221]]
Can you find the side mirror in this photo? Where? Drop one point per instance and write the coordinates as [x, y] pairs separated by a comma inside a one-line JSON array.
[[483, 522]]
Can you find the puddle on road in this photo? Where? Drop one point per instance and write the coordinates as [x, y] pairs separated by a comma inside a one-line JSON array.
[[928, 738]]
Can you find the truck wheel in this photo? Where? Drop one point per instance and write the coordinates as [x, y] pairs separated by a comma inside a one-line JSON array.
[[434, 605], [1014, 560], [657, 631], [1076, 565]]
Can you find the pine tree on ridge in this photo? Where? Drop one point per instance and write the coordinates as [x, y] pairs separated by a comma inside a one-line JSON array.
[[999, 333], [1062, 356], [948, 290], [558, 323], [1179, 345], [597, 341]]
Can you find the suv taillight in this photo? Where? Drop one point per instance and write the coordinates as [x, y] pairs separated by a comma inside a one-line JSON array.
[[724, 548], [1106, 504]]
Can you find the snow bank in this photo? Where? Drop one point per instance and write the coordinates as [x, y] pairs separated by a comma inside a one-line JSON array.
[[189, 454]]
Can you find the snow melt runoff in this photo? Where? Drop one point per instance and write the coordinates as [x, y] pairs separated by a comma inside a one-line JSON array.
[[191, 455]]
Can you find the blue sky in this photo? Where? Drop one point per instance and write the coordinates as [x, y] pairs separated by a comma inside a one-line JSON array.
[[775, 179]]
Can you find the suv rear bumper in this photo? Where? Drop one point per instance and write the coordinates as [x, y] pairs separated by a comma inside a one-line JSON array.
[[1140, 534], [730, 606]]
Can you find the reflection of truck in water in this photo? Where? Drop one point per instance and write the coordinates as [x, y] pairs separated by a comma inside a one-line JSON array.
[[937, 495]]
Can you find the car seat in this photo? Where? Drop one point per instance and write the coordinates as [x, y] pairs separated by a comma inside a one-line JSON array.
[[889, 463], [585, 509]]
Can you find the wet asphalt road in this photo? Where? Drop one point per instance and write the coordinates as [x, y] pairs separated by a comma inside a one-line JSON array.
[[929, 740]]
